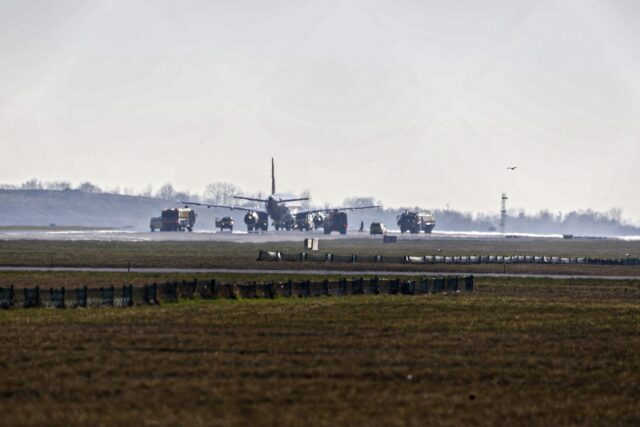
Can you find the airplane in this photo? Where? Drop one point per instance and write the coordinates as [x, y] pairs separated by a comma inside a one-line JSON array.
[[282, 216], [512, 168]]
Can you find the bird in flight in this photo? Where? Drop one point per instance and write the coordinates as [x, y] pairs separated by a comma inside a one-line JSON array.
[[511, 168]]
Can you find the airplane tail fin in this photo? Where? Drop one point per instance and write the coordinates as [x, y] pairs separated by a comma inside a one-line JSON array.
[[273, 178]]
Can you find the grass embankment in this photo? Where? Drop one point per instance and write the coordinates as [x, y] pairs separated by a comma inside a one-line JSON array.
[[509, 354], [243, 255]]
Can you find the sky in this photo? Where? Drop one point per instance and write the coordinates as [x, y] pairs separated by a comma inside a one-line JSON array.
[[416, 103]]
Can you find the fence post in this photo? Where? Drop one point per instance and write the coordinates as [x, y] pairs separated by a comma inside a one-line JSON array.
[[154, 293], [424, 285], [306, 286], [325, 287], [438, 284], [268, 290], [127, 296], [452, 284], [106, 296], [81, 296], [31, 297], [373, 285], [343, 286], [468, 283], [393, 286], [289, 288], [6, 297]]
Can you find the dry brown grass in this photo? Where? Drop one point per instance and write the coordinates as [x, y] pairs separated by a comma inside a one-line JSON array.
[[243, 255], [513, 353]]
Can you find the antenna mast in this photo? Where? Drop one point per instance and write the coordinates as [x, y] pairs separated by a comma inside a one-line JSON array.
[[503, 213]]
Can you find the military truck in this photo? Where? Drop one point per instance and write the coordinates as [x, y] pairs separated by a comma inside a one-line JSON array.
[[155, 223], [414, 222], [377, 227], [170, 220], [335, 221], [178, 219], [187, 218], [256, 221], [225, 222], [304, 222]]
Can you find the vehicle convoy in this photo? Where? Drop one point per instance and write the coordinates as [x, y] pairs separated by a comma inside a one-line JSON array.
[[155, 223], [178, 219], [256, 221], [224, 222], [335, 221], [377, 228], [414, 222], [282, 216]]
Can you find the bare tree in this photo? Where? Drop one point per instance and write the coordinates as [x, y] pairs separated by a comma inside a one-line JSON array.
[[220, 193], [58, 185], [32, 184], [147, 191], [166, 192], [615, 214], [87, 187]]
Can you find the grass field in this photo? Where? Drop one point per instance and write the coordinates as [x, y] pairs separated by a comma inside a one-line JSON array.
[[514, 352], [243, 255]]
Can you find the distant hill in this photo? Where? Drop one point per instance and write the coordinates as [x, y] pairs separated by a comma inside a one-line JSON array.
[[77, 208], [73, 207]]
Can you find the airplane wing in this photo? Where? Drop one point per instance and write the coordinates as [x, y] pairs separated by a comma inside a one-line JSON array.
[[253, 199], [293, 200], [345, 208], [233, 208]]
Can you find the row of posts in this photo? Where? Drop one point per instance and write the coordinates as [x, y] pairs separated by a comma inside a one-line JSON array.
[[170, 292], [442, 259]]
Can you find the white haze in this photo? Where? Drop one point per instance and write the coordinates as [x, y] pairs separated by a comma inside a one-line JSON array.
[[412, 102]]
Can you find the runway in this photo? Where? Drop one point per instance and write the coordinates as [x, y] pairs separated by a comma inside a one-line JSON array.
[[264, 237], [311, 272]]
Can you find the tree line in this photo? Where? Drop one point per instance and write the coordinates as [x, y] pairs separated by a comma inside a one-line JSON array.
[[221, 193]]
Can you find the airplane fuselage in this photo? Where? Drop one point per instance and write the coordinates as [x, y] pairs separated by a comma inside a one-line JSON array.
[[279, 213]]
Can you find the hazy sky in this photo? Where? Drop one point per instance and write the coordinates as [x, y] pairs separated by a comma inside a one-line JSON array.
[[412, 102]]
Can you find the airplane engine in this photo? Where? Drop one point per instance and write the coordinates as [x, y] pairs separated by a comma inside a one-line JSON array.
[[256, 221], [251, 218]]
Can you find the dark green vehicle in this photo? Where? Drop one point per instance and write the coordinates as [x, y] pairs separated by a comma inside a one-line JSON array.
[[335, 221], [414, 222], [304, 222], [155, 223], [377, 227], [225, 222]]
